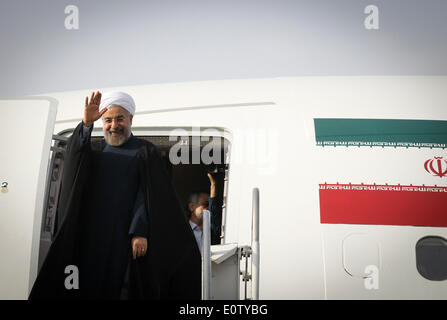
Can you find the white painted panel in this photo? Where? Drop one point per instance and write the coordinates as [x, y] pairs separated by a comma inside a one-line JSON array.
[[25, 143]]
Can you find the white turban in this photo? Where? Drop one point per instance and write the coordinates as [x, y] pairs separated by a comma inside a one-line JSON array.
[[117, 98]]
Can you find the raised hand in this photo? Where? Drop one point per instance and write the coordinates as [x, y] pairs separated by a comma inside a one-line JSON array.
[[91, 109], [211, 178], [212, 185]]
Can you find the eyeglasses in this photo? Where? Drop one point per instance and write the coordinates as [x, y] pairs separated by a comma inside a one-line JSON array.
[[117, 119]]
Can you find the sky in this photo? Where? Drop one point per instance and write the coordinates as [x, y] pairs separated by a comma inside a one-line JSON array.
[[135, 42]]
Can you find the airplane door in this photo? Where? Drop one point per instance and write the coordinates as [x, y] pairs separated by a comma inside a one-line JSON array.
[[25, 142]]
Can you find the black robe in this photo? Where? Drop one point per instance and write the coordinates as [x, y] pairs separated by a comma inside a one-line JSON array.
[[171, 267]]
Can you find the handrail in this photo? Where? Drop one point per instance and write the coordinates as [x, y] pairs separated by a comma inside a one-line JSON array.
[[255, 245], [206, 256]]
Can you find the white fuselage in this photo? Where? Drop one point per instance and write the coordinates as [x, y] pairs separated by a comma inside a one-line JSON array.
[[270, 125]]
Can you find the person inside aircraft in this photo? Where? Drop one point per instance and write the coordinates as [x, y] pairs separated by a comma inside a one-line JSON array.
[[199, 201], [122, 228]]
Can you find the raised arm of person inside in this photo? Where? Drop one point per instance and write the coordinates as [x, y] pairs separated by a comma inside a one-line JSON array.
[[216, 212]]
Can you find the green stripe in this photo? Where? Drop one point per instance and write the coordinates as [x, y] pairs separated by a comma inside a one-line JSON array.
[[381, 132]]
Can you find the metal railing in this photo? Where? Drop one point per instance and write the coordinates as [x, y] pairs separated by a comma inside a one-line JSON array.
[[255, 245], [206, 256]]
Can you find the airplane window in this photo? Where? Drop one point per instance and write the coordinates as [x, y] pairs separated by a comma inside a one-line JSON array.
[[431, 258]]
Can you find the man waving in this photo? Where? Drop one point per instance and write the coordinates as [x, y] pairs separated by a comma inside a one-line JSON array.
[[121, 221]]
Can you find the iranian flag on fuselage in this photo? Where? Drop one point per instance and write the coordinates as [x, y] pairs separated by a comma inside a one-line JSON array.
[[382, 171]]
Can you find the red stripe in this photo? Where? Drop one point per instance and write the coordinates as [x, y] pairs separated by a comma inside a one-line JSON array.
[[405, 206]]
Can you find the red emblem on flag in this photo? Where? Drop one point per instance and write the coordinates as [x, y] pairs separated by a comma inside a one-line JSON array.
[[436, 166]]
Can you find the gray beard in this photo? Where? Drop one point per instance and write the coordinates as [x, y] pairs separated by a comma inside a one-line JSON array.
[[116, 141]]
